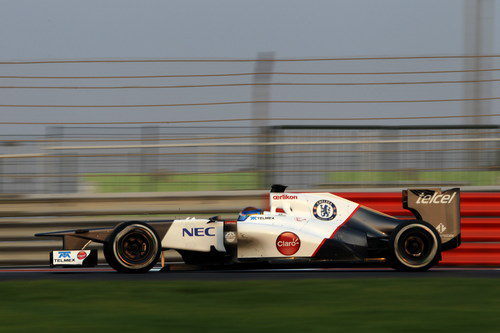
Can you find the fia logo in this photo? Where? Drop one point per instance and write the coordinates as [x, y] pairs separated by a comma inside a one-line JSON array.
[[324, 210]]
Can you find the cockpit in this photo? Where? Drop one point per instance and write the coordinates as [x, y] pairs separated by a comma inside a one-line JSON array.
[[249, 211]]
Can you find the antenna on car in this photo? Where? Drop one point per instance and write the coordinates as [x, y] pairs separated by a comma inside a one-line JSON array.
[[278, 188]]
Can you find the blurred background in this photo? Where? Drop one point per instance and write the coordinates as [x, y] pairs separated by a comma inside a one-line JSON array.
[[151, 106], [190, 96]]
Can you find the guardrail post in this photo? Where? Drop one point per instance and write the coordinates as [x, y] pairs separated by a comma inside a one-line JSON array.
[[478, 40], [149, 159], [261, 93], [2, 179], [68, 173], [51, 167]]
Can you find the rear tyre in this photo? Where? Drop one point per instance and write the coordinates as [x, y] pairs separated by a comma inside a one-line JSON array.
[[414, 246], [132, 247]]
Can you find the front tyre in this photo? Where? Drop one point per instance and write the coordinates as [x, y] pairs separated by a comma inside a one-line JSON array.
[[414, 246], [132, 247]]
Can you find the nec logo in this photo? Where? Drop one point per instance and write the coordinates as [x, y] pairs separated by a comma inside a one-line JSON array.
[[198, 232], [64, 254]]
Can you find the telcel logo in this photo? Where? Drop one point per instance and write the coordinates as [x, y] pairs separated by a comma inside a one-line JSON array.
[[435, 198], [198, 232], [285, 197], [64, 254]]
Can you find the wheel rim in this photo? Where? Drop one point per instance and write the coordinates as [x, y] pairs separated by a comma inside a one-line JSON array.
[[136, 246], [415, 245]]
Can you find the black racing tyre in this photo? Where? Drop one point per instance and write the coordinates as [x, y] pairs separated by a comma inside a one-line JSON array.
[[414, 246], [132, 247]]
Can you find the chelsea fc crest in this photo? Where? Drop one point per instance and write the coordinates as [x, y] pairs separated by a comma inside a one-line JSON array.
[[324, 210]]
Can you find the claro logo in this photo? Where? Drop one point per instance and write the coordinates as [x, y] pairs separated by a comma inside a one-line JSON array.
[[435, 198], [285, 197], [288, 243]]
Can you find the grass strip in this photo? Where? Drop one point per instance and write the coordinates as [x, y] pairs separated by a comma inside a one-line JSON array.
[[315, 305]]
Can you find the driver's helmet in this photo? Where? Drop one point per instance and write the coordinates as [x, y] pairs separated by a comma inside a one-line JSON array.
[[247, 212]]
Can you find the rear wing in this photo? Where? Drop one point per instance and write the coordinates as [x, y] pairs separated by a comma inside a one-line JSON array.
[[439, 208]]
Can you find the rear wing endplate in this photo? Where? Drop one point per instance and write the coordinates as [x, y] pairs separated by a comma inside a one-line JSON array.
[[439, 208]]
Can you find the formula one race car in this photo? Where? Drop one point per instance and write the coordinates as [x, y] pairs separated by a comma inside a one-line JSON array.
[[300, 229]]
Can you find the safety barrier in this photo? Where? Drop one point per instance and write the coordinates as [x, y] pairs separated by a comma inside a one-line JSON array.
[[22, 216], [480, 213]]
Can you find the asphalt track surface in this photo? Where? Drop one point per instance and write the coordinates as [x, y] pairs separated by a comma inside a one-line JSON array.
[[105, 273]]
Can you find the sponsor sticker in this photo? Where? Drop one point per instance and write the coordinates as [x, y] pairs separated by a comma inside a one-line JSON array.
[[441, 228], [230, 237], [64, 254], [69, 257], [435, 198], [63, 257], [288, 243], [324, 210], [198, 232], [285, 197], [255, 218]]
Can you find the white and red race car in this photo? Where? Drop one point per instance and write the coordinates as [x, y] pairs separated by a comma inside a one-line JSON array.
[[300, 229]]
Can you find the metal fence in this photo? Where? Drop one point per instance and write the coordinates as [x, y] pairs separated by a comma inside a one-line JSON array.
[[388, 156], [69, 159]]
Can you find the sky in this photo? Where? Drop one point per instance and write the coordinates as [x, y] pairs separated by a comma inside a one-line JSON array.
[[49, 30], [231, 28]]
